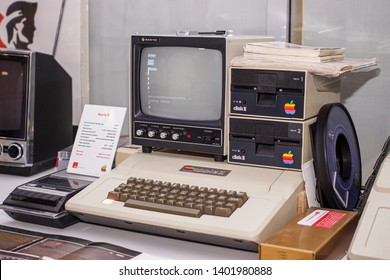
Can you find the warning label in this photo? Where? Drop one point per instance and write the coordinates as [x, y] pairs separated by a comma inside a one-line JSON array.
[[322, 219]]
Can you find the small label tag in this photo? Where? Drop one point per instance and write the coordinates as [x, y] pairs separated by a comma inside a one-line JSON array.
[[205, 170], [322, 219]]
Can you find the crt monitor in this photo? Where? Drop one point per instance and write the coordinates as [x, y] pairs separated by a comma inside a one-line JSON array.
[[13, 96], [35, 111], [179, 89]]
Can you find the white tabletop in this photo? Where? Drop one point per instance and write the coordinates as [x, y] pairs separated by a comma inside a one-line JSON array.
[[152, 247]]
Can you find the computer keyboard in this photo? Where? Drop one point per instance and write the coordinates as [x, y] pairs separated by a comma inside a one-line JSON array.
[[176, 198]]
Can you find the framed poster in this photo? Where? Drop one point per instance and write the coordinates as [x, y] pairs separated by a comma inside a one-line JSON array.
[[30, 25]]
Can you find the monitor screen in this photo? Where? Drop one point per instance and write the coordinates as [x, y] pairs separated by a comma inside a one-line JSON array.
[[13, 83], [181, 83]]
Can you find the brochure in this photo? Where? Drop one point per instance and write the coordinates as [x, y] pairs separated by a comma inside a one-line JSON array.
[[18, 244], [96, 140]]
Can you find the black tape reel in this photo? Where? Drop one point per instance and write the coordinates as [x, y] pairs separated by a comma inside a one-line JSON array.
[[337, 159]]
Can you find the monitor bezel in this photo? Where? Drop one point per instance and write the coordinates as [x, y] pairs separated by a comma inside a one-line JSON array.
[[140, 42]]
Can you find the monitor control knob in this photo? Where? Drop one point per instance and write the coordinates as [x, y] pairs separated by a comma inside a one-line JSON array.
[[151, 133], [15, 151], [163, 135], [175, 136], [140, 132]]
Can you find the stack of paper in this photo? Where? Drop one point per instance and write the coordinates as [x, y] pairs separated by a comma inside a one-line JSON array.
[[278, 50], [324, 61]]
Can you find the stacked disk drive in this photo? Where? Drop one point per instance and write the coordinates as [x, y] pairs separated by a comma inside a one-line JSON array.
[[270, 114]]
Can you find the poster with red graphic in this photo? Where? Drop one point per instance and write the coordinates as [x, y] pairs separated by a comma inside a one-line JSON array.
[[30, 25]]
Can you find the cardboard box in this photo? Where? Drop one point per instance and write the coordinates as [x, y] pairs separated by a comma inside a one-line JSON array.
[[317, 234]]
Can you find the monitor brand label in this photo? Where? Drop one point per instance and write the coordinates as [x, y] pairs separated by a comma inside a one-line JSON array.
[[149, 39]]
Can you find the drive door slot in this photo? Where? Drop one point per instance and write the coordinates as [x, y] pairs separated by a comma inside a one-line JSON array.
[[265, 150], [266, 99], [265, 140], [266, 89]]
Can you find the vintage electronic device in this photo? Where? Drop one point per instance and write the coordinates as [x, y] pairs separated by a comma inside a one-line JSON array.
[[269, 142], [179, 87], [35, 111], [193, 198], [371, 239], [42, 201], [280, 93], [336, 155]]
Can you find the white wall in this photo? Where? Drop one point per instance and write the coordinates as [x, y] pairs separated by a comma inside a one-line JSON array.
[[112, 22], [72, 51], [362, 27]]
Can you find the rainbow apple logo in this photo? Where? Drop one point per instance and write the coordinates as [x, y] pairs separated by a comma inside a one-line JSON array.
[[288, 158], [103, 168], [289, 108]]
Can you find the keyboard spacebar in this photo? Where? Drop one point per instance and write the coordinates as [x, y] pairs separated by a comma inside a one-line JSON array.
[[170, 209]]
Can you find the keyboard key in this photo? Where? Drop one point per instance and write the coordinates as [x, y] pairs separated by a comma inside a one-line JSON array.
[[199, 206], [236, 200], [124, 196], [189, 212], [222, 211], [193, 188], [131, 180], [243, 195], [165, 190], [113, 195], [231, 206], [149, 181], [140, 180], [209, 209]]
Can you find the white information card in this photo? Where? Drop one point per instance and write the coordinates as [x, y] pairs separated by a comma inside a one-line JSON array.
[[96, 140]]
